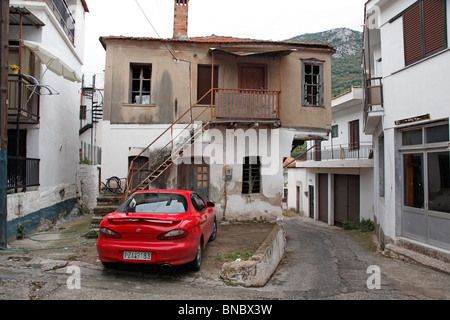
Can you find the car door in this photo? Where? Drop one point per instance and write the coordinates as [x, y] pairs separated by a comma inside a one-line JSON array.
[[204, 212]]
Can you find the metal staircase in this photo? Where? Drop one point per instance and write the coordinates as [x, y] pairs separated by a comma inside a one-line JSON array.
[[176, 141]]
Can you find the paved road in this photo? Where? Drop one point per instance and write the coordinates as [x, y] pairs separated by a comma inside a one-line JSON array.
[[321, 262]]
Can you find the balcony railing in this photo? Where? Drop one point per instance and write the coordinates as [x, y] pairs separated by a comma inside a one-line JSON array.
[[22, 173], [246, 104], [374, 93], [23, 99], [64, 16], [344, 152]]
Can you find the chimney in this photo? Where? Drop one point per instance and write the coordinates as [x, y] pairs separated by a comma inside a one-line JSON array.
[[180, 20]]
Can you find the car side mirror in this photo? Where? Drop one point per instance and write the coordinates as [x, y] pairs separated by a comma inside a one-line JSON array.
[[210, 204]]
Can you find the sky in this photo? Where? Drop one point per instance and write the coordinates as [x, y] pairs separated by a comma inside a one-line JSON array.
[[255, 19]]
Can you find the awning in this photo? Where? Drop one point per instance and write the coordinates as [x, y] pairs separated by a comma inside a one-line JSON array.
[[53, 59], [273, 53]]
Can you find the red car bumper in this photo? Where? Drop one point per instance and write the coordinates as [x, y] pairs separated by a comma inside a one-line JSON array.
[[162, 252]]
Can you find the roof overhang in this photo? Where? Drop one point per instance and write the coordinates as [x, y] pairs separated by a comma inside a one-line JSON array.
[[272, 53], [28, 18]]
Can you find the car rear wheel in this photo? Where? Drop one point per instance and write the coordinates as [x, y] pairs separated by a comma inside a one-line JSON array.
[[196, 264], [214, 233]]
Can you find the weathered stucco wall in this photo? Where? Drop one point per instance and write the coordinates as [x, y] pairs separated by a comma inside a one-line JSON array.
[[174, 82]]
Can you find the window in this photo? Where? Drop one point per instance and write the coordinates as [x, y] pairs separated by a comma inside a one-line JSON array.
[[155, 203], [424, 29], [312, 81], [83, 111], [198, 202], [431, 134], [381, 167], [251, 176], [354, 135], [335, 131], [141, 79], [202, 176], [413, 195]]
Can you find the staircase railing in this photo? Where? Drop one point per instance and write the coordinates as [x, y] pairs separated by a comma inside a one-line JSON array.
[[195, 114]]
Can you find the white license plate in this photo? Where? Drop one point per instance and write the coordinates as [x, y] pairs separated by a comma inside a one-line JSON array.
[[133, 255]]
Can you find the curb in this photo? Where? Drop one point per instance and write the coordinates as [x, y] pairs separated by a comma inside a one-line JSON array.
[[258, 270], [426, 260]]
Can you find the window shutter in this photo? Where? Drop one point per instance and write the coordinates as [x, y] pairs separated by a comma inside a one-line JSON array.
[[412, 32], [434, 25]]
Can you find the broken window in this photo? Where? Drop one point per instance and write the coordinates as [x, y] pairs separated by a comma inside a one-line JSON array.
[[141, 79], [251, 176], [312, 79]]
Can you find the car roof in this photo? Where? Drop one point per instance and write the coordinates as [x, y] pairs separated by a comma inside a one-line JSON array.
[[183, 192]]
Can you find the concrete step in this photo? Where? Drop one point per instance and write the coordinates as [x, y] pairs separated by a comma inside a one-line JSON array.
[[109, 200], [103, 210]]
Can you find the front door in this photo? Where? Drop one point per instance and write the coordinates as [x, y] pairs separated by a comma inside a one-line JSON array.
[[425, 161], [252, 76], [194, 177]]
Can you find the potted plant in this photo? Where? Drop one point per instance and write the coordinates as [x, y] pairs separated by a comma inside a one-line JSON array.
[[15, 69]]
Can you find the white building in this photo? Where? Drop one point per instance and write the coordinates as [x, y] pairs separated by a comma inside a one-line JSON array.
[[407, 75], [334, 182], [46, 40]]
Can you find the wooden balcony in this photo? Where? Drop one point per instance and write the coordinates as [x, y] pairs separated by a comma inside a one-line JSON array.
[[246, 104], [23, 100]]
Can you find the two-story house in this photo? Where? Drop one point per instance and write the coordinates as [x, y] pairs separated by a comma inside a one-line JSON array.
[[332, 181], [407, 76], [46, 49], [211, 114]]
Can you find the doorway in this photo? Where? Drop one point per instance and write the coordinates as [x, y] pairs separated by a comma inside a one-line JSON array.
[[346, 198], [194, 177], [425, 184], [252, 76]]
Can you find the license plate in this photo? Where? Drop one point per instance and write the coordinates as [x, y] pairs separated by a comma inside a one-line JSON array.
[[133, 255]]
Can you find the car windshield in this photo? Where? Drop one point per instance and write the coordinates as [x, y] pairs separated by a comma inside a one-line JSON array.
[[163, 203]]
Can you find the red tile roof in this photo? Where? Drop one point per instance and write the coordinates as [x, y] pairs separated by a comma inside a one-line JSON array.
[[83, 2], [222, 40]]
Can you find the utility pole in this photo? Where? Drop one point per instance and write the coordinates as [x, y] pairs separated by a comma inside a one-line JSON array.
[[4, 30]]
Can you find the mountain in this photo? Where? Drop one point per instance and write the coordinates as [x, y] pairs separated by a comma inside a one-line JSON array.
[[346, 62]]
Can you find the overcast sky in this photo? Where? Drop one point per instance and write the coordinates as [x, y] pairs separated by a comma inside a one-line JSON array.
[[255, 19]]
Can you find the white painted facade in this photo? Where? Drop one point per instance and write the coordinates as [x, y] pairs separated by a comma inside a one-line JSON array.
[[409, 90], [54, 140], [345, 109]]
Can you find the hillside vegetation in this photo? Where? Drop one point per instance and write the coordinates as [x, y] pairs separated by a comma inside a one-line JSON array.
[[346, 62]]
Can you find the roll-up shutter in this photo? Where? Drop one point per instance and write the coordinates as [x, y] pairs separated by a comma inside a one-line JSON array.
[[434, 26], [412, 29], [424, 29]]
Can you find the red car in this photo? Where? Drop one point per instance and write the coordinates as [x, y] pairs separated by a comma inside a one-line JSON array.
[[163, 227]]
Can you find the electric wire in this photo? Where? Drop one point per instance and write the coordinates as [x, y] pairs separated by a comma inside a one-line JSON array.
[[154, 29]]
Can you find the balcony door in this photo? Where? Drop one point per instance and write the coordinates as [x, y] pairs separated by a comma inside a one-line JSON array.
[[252, 76]]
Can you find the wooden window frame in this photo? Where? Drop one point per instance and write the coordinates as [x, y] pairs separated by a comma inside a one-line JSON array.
[[307, 99], [140, 92]]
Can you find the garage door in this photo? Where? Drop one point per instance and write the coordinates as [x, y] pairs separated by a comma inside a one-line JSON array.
[[346, 198]]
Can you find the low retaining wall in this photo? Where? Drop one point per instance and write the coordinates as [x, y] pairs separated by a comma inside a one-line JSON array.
[[258, 270]]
